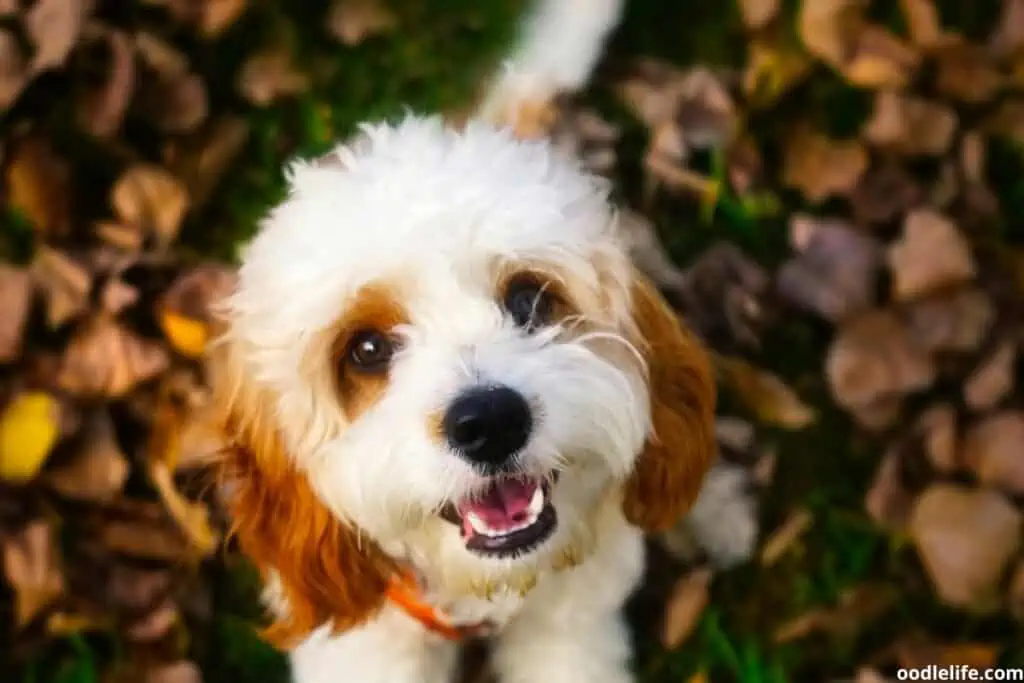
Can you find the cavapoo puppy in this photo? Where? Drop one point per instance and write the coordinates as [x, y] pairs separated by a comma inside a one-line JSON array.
[[454, 408]]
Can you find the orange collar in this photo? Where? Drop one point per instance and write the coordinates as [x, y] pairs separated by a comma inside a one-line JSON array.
[[404, 592]]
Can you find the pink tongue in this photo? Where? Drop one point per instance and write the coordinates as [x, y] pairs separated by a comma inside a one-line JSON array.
[[503, 506]]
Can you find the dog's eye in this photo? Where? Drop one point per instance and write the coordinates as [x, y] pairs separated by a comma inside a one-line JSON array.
[[528, 303], [370, 351]]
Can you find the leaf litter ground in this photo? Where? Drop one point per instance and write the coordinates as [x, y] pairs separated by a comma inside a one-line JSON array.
[[838, 179]]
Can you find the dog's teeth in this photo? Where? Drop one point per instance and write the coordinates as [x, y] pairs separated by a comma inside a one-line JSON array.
[[536, 503], [478, 524]]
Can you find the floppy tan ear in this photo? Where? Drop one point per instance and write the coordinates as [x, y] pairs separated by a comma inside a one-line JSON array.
[[669, 472], [327, 571]]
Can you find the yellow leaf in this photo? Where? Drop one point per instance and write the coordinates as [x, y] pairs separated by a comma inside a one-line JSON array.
[[29, 429], [766, 394], [186, 335]]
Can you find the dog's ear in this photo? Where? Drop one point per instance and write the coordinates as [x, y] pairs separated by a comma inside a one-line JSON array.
[[681, 446], [325, 571]]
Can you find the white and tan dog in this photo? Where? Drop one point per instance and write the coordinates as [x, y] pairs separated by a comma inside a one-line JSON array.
[[455, 406]]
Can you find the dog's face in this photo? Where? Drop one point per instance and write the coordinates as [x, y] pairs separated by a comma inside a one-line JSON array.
[[439, 353]]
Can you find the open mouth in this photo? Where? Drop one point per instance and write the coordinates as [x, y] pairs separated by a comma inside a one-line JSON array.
[[512, 516]]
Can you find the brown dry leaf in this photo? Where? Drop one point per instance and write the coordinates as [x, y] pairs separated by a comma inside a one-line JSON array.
[[1007, 120], [966, 538], [1008, 38], [15, 300], [30, 427], [992, 380], [856, 607], [758, 13], [910, 125], [1015, 596], [786, 536], [155, 625], [828, 28], [102, 109], [923, 21], [150, 197], [31, 565], [869, 675], [117, 296], [191, 518], [973, 151], [172, 97], [219, 15], [202, 164], [873, 357], [706, 112], [888, 502], [648, 252], [929, 256], [992, 449], [685, 606], [37, 182], [353, 21], [105, 359], [64, 283], [766, 394], [820, 167], [178, 672], [966, 72], [918, 652], [937, 427], [53, 26], [13, 69], [957, 321], [98, 470], [879, 59], [884, 193], [184, 311], [145, 538], [270, 75], [835, 270]]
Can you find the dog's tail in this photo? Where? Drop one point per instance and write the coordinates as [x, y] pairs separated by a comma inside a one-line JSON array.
[[558, 48]]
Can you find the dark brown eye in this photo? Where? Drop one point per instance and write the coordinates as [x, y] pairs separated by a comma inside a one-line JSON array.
[[370, 351], [528, 303]]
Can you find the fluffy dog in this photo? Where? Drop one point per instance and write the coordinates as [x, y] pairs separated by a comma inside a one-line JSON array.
[[455, 408]]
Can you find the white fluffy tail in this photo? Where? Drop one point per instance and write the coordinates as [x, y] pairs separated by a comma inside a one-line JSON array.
[[559, 46]]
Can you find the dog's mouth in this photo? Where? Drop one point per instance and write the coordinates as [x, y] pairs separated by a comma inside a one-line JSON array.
[[512, 516]]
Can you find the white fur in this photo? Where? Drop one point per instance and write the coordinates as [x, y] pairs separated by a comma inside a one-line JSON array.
[[434, 214]]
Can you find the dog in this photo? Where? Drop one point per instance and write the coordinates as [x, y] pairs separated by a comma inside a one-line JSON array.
[[454, 406]]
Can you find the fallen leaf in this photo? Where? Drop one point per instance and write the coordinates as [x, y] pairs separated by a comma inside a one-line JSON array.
[[766, 394], [191, 518], [145, 539], [884, 193], [171, 96], [178, 672], [37, 182], [888, 502], [219, 15], [1008, 38], [820, 167], [184, 312], [155, 625], [856, 607], [270, 75], [920, 652], [910, 125], [64, 283], [783, 539], [706, 113], [774, 67], [966, 538], [98, 469], [973, 157], [835, 270], [992, 449], [102, 108], [648, 252], [31, 565], [105, 359], [956, 321], [13, 69], [130, 589], [829, 27], [757, 13], [937, 427], [930, 255], [923, 21], [686, 603], [29, 429], [966, 73], [53, 26], [873, 357], [353, 21], [203, 164], [869, 675], [117, 296], [151, 198], [879, 59], [992, 380], [1015, 596], [15, 300]]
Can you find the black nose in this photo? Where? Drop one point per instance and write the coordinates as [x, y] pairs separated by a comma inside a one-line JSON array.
[[488, 425]]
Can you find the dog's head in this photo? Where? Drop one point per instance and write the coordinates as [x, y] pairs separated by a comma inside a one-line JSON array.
[[439, 353]]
